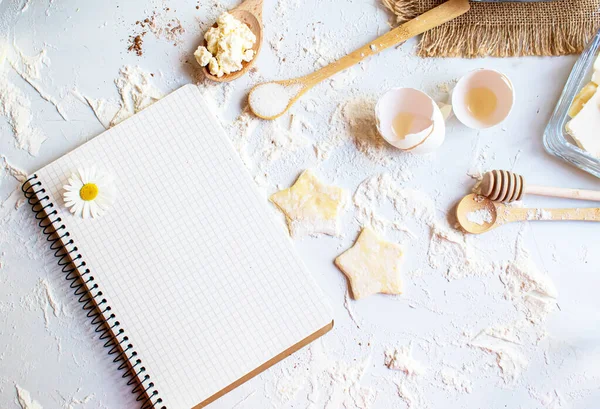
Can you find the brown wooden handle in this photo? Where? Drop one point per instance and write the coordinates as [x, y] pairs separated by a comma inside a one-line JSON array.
[[255, 7], [436, 16], [516, 214], [581, 194]]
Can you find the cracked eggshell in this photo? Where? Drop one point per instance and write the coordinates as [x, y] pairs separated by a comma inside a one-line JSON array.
[[493, 80], [427, 131]]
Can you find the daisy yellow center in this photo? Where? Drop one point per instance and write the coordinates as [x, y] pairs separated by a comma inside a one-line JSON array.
[[88, 192]]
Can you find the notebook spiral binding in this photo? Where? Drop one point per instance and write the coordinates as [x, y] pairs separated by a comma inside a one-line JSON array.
[[82, 282]]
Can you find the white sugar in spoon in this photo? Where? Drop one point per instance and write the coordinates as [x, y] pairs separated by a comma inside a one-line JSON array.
[[271, 99]]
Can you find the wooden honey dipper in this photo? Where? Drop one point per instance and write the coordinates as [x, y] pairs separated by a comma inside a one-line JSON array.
[[505, 186]]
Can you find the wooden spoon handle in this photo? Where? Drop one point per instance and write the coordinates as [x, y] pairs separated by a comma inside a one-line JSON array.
[[563, 192], [516, 214], [436, 16], [254, 7]]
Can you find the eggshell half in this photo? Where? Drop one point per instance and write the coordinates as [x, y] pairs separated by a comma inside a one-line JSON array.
[[496, 82], [427, 131]]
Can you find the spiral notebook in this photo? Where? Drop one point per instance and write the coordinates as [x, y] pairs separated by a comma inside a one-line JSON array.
[[189, 282]]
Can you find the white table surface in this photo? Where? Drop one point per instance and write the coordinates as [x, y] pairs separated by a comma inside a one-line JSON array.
[[49, 350]]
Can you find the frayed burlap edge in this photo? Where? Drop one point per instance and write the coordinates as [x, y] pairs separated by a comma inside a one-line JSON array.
[[403, 9], [487, 40]]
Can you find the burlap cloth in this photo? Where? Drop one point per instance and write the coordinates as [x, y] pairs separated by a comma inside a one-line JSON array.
[[506, 29]]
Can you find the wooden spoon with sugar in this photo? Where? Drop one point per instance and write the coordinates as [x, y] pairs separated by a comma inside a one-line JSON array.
[[478, 214], [271, 99]]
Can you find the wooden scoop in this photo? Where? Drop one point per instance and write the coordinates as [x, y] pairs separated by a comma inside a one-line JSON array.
[[249, 13], [426, 21], [477, 214], [505, 186]]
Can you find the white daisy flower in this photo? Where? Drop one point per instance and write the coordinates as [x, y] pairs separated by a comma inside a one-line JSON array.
[[89, 193]]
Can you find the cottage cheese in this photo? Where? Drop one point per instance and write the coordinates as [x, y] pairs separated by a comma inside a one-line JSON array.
[[227, 46]]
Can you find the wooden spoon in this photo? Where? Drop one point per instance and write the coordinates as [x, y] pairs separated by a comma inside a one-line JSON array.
[[477, 214], [426, 21], [505, 186], [249, 13]]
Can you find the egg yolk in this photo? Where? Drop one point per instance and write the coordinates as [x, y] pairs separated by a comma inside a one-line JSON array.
[[88, 192], [481, 102], [402, 124]]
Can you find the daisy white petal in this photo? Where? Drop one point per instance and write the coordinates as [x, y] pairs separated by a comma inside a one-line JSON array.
[[86, 210], [94, 209], [76, 210]]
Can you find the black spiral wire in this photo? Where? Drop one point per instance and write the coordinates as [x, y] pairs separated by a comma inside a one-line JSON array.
[[89, 295]]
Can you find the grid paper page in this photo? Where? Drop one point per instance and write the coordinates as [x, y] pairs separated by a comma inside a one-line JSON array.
[[205, 284]]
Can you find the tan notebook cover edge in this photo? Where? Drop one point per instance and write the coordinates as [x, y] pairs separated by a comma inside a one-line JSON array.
[[278, 358]]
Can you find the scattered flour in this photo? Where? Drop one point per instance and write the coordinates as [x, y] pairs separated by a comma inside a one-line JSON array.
[[241, 130], [412, 394], [456, 380], [25, 400], [29, 68], [137, 92], [355, 120], [377, 189], [479, 160], [504, 343], [550, 400], [74, 402], [13, 171], [338, 385], [16, 107], [348, 306], [42, 298], [532, 291], [400, 359], [450, 252], [281, 139], [104, 109], [263, 144], [326, 383]]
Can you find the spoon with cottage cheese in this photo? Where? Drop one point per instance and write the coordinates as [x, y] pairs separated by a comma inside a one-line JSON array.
[[232, 43]]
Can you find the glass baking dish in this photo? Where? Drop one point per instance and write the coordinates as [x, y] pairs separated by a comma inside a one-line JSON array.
[[556, 139]]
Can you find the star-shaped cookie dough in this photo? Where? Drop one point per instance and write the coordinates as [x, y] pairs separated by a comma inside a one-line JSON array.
[[310, 206], [372, 265]]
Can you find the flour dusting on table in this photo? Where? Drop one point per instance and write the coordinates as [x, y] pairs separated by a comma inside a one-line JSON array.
[[136, 90], [29, 69], [16, 107], [17, 173], [456, 380], [532, 291], [400, 359], [408, 203], [25, 400], [504, 343]]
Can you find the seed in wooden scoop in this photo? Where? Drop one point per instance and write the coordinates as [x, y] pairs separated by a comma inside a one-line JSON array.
[[476, 214]]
